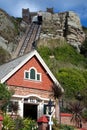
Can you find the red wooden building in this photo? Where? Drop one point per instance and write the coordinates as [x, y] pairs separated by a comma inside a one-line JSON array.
[[32, 81]]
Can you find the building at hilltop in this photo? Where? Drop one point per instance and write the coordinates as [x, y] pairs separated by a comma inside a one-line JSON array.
[[50, 10], [26, 15]]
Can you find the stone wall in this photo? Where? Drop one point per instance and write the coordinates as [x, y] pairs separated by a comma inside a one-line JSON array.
[[65, 119], [26, 15]]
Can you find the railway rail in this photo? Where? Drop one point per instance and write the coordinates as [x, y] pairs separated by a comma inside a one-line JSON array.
[[26, 43]]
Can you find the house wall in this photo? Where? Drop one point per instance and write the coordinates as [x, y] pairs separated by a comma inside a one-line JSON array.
[[18, 78], [24, 91], [26, 88]]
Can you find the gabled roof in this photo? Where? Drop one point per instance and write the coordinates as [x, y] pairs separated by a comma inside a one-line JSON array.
[[8, 69]]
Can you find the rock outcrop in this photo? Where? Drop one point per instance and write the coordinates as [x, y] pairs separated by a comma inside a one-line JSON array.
[[66, 24], [8, 32], [6, 26]]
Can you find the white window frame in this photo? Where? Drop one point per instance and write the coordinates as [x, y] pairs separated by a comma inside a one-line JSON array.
[[36, 73]]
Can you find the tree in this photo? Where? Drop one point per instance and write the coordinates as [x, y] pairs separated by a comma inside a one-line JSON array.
[[72, 81], [84, 48], [57, 93], [76, 109], [84, 95], [5, 95]]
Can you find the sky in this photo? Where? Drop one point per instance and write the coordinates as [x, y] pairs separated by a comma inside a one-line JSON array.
[[14, 7]]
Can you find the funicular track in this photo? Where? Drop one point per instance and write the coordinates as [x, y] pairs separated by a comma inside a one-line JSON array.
[[31, 35]]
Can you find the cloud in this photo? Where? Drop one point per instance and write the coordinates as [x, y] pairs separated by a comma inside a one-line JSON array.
[[14, 7]]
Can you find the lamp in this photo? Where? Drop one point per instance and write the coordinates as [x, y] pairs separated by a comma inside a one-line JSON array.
[[79, 96], [50, 105]]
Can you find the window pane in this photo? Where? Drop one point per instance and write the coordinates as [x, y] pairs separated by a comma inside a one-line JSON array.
[[26, 75], [32, 74], [9, 107], [38, 76], [44, 110], [12, 106]]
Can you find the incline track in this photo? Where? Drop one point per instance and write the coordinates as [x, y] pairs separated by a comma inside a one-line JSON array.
[[26, 43]]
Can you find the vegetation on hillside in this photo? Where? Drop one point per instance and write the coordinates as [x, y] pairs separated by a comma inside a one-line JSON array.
[[85, 29], [16, 22], [69, 67], [9, 31], [72, 81], [9, 28], [4, 56], [84, 46]]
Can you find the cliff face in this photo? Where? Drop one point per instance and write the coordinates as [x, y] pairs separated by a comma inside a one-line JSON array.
[[8, 31], [65, 25]]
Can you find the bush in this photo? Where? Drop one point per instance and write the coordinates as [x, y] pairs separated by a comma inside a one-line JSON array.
[[84, 114], [66, 127], [8, 123], [57, 126], [18, 123], [72, 81], [29, 124]]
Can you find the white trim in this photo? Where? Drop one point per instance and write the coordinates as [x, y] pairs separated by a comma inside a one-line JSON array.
[[25, 74], [36, 72], [30, 95]]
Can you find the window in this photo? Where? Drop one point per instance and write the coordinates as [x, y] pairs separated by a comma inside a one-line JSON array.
[[27, 75], [12, 106], [38, 76], [32, 74]]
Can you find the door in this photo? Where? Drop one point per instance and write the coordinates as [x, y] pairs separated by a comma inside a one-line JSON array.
[[30, 110]]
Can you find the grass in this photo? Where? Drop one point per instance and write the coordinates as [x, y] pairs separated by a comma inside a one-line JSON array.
[[64, 54], [68, 66], [4, 56]]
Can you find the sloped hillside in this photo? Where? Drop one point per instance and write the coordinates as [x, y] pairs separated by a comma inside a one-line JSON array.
[[69, 66], [84, 46], [9, 33], [64, 60], [7, 26], [59, 45]]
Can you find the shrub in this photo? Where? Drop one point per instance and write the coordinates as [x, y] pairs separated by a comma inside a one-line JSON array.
[[4, 56], [57, 126], [72, 81], [66, 127], [29, 124], [18, 123], [84, 114], [8, 123]]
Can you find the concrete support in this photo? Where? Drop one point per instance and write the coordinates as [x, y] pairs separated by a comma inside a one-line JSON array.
[[21, 107]]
